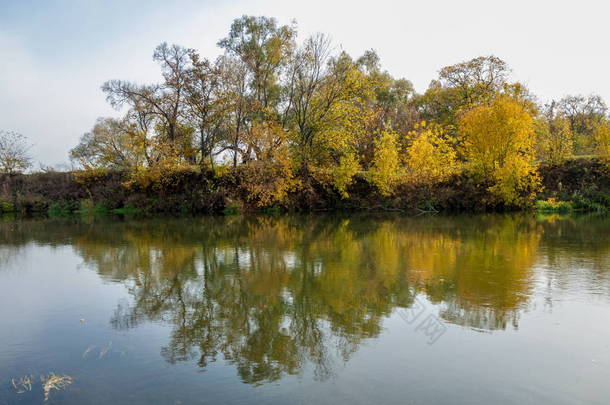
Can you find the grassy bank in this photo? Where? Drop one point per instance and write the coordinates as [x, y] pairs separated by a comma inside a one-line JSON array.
[[576, 185]]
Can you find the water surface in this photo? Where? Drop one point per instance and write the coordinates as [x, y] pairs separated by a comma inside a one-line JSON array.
[[356, 309]]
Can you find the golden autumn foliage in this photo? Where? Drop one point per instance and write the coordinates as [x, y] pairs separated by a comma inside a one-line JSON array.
[[499, 147], [340, 175], [385, 172], [163, 171], [284, 112], [430, 158], [268, 182], [601, 137], [555, 141]]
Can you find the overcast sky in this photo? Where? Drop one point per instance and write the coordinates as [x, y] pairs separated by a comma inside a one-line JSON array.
[[55, 54]]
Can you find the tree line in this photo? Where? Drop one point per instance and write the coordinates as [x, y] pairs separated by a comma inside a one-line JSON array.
[[288, 112]]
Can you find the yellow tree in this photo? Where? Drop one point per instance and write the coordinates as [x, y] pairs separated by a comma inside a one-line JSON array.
[[601, 137], [555, 141], [269, 177], [430, 158], [385, 170], [498, 146]]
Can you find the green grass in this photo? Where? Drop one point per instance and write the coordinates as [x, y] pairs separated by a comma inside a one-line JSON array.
[[126, 211], [595, 202], [551, 205]]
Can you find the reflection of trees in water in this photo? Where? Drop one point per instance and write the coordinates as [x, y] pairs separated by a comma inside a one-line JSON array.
[[580, 245], [480, 271], [8, 256], [272, 295], [268, 296]]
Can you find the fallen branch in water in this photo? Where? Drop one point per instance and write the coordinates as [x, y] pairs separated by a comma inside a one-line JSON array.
[[23, 384], [54, 382]]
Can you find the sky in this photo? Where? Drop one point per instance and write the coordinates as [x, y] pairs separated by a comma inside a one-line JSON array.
[[55, 54]]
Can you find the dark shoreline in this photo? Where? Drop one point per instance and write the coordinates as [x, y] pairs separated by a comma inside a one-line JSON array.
[[584, 183]]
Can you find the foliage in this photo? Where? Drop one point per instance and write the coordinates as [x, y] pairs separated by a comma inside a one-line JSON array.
[[165, 175], [430, 158], [555, 141], [601, 137], [385, 173], [267, 183], [275, 116], [498, 147], [232, 208], [90, 177], [585, 113], [115, 144], [61, 209], [341, 175], [6, 207], [552, 205]]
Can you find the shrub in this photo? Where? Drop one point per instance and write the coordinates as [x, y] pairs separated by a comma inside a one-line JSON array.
[[232, 207], [552, 205], [498, 147], [385, 172], [61, 208], [6, 207]]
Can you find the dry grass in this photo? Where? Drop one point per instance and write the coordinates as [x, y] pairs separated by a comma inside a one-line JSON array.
[[54, 382]]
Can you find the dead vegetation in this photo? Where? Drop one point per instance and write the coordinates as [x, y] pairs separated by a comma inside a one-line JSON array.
[[23, 384], [54, 382], [48, 383]]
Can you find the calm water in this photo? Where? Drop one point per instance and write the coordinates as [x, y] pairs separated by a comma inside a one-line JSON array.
[[331, 309]]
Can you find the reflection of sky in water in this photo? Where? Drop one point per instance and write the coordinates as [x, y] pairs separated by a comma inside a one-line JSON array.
[[305, 309]]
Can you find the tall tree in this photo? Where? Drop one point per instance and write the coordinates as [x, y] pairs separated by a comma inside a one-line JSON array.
[[476, 79], [234, 89], [460, 87], [164, 100], [265, 48], [585, 113], [14, 152], [205, 104]]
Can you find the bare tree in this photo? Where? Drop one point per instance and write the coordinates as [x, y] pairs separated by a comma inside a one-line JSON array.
[[164, 100], [234, 89], [205, 104], [309, 73], [583, 112], [14, 152], [317, 86]]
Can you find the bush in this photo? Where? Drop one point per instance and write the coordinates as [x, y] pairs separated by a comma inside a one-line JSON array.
[[232, 208], [551, 205], [6, 207], [61, 208], [582, 203]]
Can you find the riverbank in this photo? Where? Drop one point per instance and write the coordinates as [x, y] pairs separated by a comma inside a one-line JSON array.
[[577, 184]]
